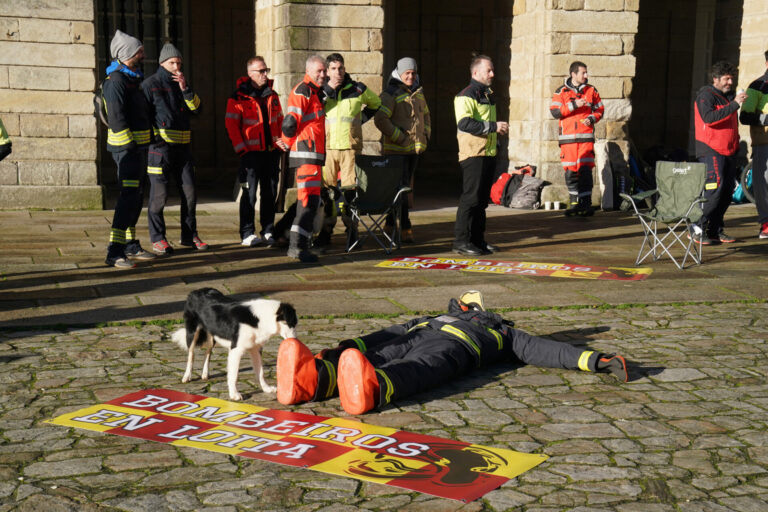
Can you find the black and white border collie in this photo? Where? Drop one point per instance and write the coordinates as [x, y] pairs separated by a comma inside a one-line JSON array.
[[210, 318]]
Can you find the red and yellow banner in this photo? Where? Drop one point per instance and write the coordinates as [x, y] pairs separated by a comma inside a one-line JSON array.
[[432, 465], [525, 268]]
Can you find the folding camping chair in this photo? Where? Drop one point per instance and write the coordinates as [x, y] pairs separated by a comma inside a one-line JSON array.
[[378, 193], [679, 187]]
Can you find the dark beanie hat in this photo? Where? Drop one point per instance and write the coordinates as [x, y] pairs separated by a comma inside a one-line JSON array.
[[168, 52]]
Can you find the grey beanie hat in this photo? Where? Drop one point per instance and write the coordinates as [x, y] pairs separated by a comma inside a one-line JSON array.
[[405, 64], [168, 52], [123, 46]]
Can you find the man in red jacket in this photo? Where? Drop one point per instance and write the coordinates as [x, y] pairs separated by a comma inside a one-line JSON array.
[[717, 140], [253, 121], [578, 107], [304, 133]]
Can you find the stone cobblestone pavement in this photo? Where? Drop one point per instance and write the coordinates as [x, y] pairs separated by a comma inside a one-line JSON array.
[[687, 434]]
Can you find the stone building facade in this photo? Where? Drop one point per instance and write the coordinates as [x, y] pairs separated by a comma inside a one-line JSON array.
[[647, 58]]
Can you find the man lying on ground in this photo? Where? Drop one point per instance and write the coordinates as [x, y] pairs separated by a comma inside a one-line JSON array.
[[378, 368]]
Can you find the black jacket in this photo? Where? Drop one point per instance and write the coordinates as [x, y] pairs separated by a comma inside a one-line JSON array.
[[128, 112], [171, 107]]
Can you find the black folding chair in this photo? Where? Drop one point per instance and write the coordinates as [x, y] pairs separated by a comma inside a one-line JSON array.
[[378, 194]]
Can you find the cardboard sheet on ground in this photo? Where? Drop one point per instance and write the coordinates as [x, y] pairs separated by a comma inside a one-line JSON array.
[[525, 268], [428, 464]]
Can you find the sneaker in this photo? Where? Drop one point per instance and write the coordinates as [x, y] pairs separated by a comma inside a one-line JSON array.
[[358, 385], [119, 262], [251, 241], [303, 255], [140, 254], [296, 373], [269, 240], [700, 238], [407, 236], [162, 248], [763, 231], [472, 299], [724, 238], [612, 363], [196, 243]]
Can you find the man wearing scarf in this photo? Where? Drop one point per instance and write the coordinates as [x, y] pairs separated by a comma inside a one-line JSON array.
[[128, 136]]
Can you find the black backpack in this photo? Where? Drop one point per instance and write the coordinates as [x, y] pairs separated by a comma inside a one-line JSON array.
[[99, 105]]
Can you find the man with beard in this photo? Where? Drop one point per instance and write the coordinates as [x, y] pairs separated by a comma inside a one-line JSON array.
[[578, 107], [254, 123], [405, 125], [717, 140], [348, 104], [171, 101], [304, 133], [477, 130]]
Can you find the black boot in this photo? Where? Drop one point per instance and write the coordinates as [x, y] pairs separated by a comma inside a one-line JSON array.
[[573, 205], [584, 208]]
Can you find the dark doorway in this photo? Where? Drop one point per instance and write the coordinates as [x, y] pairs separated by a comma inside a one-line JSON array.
[[216, 38], [676, 44], [442, 35]]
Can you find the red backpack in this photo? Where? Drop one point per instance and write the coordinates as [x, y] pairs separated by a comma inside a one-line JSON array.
[[499, 189]]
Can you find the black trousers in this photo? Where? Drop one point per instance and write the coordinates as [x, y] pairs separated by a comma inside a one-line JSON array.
[[258, 170], [477, 175], [166, 161], [131, 175], [5, 150], [410, 162], [579, 185], [303, 223], [423, 359], [718, 190]]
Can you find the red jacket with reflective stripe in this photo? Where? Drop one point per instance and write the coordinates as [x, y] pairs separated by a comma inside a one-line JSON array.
[[304, 125], [716, 122], [563, 107], [245, 120]]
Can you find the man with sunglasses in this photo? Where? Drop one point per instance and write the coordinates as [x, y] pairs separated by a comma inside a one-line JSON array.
[[253, 120]]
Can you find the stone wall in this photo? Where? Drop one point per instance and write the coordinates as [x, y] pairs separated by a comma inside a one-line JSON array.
[[287, 32], [754, 43], [547, 35], [47, 60]]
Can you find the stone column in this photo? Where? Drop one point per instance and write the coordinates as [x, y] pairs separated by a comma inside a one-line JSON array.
[[547, 35], [754, 43], [287, 32], [47, 61]]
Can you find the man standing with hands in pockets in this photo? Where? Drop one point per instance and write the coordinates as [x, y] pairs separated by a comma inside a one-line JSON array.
[[477, 133]]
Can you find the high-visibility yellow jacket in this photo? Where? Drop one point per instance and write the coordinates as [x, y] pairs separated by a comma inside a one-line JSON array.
[[403, 118], [475, 108], [343, 118]]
